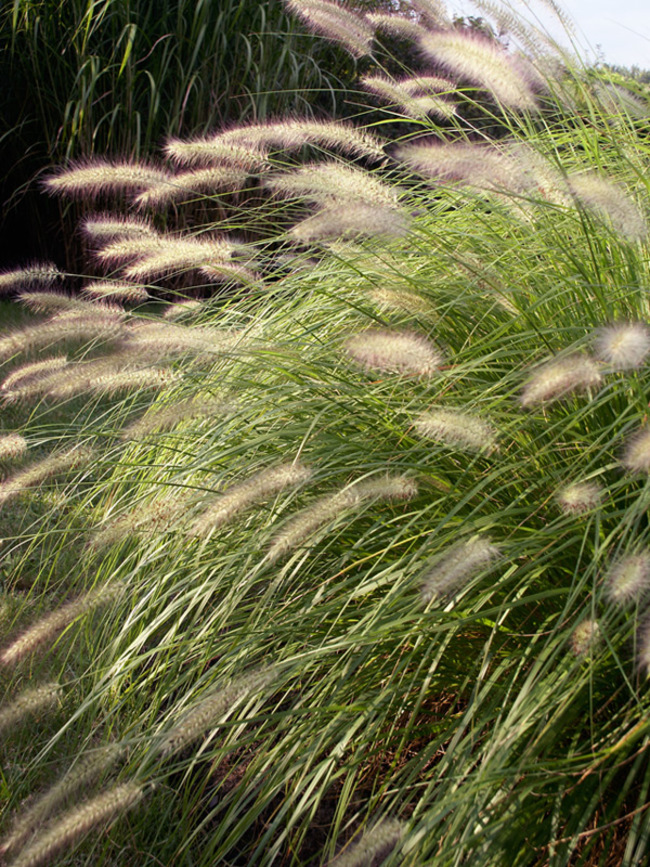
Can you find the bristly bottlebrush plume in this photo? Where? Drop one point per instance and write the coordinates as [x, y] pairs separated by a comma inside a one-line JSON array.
[[243, 495], [350, 220], [618, 100], [485, 166], [101, 176], [336, 22], [402, 352], [187, 185], [128, 248], [116, 290], [160, 515], [12, 446], [302, 526], [456, 429], [432, 12], [85, 772], [48, 627], [160, 419], [41, 471], [27, 373], [181, 254], [610, 202], [628, 578], [179, 309], [411, 104], [327, 181], [624, 345], [579, 497], [558, 379], [585, 638], [484, 63], [33, 275], [100, 325], [643, 645], [213, 707], [375, 845], [28, 703], [451, 572], [58, 302], [395, 25], [636, 456], [212, 152], [291, 134], [77, 822], [161, 339], [104, 376], [109, 227]]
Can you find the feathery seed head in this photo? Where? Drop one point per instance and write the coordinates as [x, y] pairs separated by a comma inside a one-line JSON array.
[[558, 379], [327, 181], [375, 845], [108, 227], [213, 707], [41, 471], [628, 578], [401, 95], [609, 201], [211, 151], [619, 100], [127, 248], [179, 254], [162, 419], [433, 13], [85, 772], [30, 702], [160, 515], [160, 339], [248, 493], [460, 564], [327, 509], [298, 133], [48, 627], [78, 821], [116, 290], [643, 645], [105, 376], [27, 373], [179, 309], [585, 637], [483, 166], [350, 220], [636, 456], [101, 176], [457, 430], [396, 25], [336, 22], [12, 446], [56, 302], [33, 275], [395, 352], [624, 345], [579, 497], [482, 62], [186, 185]]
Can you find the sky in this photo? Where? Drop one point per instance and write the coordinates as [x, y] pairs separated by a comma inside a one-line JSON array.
[[620, 29]]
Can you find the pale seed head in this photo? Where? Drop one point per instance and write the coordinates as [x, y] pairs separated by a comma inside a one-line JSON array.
[[457, 430], [579, 497], [628, 578], [623, 346], [636, 455], [395, 352], [558, 379]]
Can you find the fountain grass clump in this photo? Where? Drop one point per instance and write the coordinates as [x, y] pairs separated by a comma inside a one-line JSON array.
[[373, 490]]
